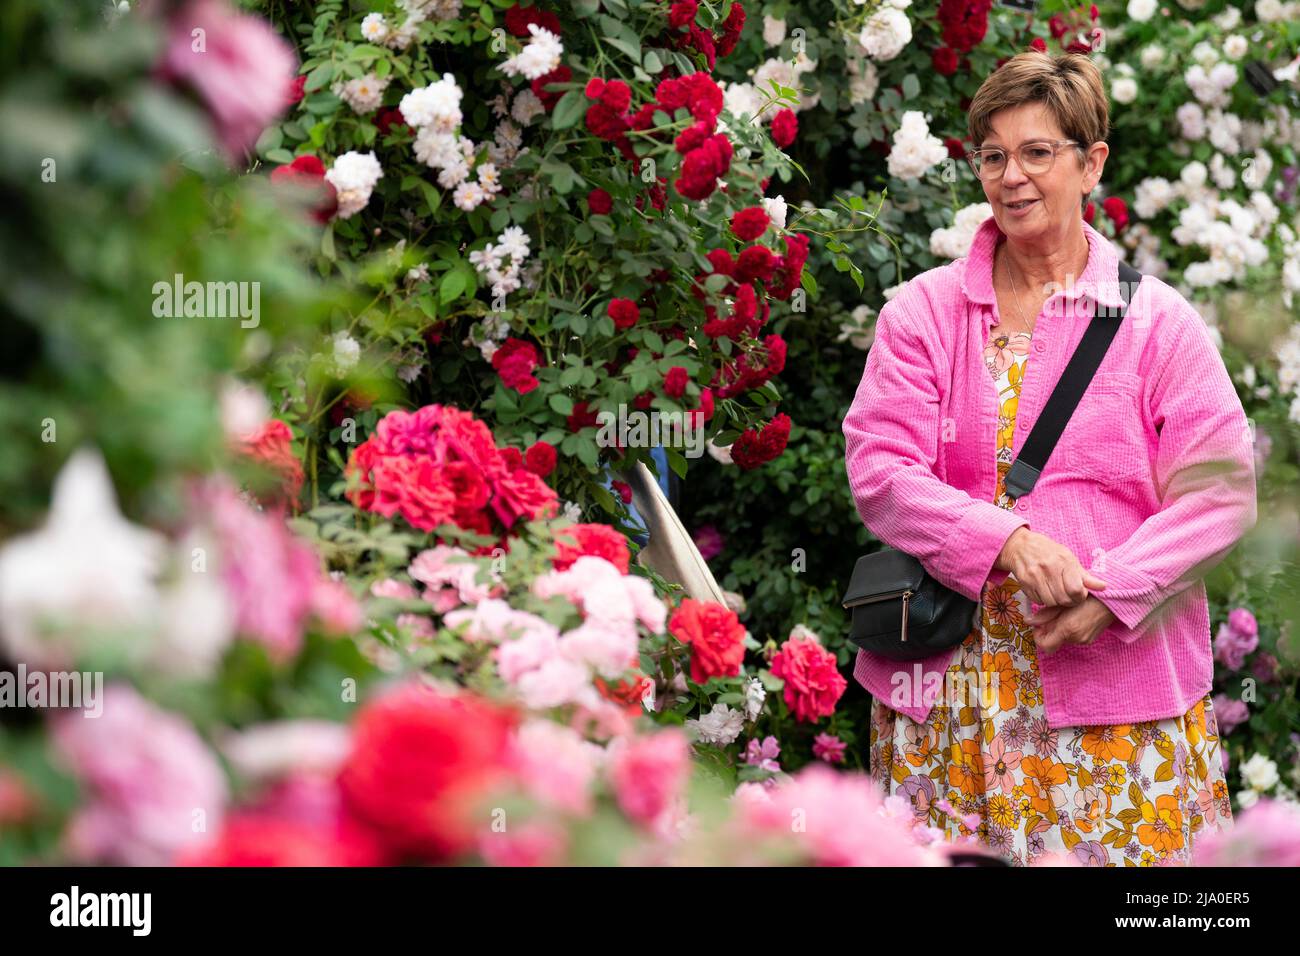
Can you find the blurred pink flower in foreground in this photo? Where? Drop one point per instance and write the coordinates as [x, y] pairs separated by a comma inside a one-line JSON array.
[[151, 786], [1267, 834], [237, 65], [837, 818], [648, 773]]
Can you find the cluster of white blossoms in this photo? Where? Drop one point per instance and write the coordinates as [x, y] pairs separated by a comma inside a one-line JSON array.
[[501, 262], [540, 55], [915, 148], [1144, 250], [1275, 11], [747, 99], [434, 111], [1141, 10], [1210, 78], [773, 30], [1290, 262], [345, 355], [376, 29], [1124, 87], [1230, 232], [364, 94], [1224, 130], [954, 241], [859, 329], [864, 78], [353, 177], [887, 31]]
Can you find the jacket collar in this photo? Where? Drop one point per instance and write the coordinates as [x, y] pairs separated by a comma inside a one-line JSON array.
[[1100, 279]]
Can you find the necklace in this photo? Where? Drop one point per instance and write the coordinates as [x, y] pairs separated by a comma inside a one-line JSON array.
[[1016, 295]]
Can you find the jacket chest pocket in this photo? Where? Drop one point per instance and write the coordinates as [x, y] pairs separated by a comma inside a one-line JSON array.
[[1105, 440]]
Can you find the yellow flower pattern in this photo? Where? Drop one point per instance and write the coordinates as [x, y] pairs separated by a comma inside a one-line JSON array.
[[1121, 795]]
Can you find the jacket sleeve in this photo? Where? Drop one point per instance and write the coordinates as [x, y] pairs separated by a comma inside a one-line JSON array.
[[1205, 477], [892, 433]]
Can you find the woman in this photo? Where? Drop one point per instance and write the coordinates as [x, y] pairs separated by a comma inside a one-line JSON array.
[[1076, 717]]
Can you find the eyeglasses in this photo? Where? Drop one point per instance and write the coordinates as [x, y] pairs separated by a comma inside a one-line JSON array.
[[1034, 158]]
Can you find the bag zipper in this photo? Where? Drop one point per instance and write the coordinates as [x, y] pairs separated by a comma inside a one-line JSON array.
[[874, 598], [906, 595]]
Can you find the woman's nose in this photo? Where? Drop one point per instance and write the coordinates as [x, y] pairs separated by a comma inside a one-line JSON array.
[[1013, 162]]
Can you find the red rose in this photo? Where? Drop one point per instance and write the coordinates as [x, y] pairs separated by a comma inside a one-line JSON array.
[[675, 382], [515, 361], [522, 494], [944, 60], [540, 458], [297, 89], [512, 458], [600, 202], [716, 637], [596, 540], [1038, 43], [624, 490], [682, 13], [389, 119], [1116, 210], [754, 262], [561, 74], [1089, 213], [308, 173], [721, 261], [755, 448], [624, 312], [956, 147], [517, 19], [605, 122], [271, 447], [582, 416], [250, 839], [421, 759], [748, 224], [813, 682], [617, 96], [785, 127]]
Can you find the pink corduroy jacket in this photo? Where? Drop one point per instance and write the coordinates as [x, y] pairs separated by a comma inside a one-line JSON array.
[[1151, 484]]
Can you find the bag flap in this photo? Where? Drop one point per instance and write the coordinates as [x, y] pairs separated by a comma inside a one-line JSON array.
[[883, 573]]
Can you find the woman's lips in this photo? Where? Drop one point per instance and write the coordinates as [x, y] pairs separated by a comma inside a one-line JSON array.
[[1020, 206]]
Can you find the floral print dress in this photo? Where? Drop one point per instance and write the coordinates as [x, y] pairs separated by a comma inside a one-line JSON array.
[[1121, 795]]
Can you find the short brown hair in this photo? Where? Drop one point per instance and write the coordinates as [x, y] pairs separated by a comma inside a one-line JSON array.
[[1069, 85]]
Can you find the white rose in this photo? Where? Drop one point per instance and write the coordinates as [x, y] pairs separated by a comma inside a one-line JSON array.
[[1124, 90], [1259, 773], [1141, 10]]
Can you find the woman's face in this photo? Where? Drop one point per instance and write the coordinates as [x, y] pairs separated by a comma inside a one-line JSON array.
[[1037, 206]]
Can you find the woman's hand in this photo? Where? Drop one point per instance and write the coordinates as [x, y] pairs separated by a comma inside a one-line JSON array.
[[1046, 571], [1055, 627]]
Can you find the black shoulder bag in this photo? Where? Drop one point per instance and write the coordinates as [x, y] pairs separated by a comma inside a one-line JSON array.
[[900, 611]]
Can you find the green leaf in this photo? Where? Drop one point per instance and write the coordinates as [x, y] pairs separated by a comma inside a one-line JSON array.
[[318, 77], [652, 63], [560, 403], [569, 109], [676, 462], [453, 284], [911, 87]]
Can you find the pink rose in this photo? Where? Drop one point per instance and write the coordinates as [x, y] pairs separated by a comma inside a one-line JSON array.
[[813, 683], [239, 67]]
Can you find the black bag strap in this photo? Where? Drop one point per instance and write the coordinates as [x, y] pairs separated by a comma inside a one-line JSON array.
[[1074, 381]]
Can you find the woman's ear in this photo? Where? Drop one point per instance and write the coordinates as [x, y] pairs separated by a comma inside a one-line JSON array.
[[1094, 163]]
